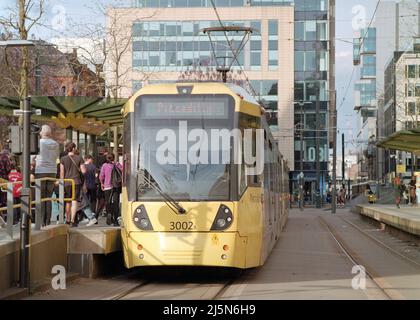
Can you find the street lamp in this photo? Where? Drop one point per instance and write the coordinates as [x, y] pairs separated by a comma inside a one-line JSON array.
[[16, 43], [25, 228]]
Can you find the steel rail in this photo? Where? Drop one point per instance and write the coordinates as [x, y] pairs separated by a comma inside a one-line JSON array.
[[357, 261]]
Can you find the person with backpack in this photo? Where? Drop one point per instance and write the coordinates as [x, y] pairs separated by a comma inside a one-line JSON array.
[[111, 183], [72, 167]]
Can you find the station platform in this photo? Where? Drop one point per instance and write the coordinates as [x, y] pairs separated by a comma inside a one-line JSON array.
[[406, 219], [85, 251]]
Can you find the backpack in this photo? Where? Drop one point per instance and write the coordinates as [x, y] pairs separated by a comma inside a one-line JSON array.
[[116, 177]]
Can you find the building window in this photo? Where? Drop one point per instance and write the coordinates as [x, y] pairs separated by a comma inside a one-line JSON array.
[[310, 61], [174, 45], [299, 61], [299, 91], [311, 91], [411, 71], [322, 33], [409, 90], [273, 44], [310, 30], [273, 27], [311, 5], [256, 60], [300, 31], [369, 66], [410, 108]]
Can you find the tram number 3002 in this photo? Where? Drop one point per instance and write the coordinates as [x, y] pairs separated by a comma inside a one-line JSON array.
[[184, 226]]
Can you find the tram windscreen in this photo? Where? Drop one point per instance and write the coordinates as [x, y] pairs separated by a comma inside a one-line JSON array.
[[184, 147]]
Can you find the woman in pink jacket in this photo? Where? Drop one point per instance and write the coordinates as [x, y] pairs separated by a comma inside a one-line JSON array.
[[111, 183]]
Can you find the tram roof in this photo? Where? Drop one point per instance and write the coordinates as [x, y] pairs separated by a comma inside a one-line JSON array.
[[172, 85], [242, 92], [405, 140], [92, 115]]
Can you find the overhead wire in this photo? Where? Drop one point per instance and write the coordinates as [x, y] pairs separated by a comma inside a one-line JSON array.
[[233, 51]]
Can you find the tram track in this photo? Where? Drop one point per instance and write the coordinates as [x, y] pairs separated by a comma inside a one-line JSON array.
[[195, 290], [384, 245], [382, 284], [120, 296]]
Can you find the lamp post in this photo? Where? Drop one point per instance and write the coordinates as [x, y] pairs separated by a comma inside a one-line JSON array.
[[25, 227]]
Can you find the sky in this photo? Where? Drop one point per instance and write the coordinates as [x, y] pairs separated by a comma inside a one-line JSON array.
[[60, 14]]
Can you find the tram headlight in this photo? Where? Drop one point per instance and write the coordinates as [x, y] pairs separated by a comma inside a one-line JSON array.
[[141, 219], [221, 223], [223, 220], [144, 223]]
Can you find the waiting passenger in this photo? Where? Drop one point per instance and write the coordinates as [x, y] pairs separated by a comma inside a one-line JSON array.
[[72, 167], [16, 176], [46, 168], [413, 193], [110, 178], [90, 182], [4, 173], [398, 190]]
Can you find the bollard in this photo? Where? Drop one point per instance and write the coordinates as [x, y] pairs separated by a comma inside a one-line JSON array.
[[38, 205], [10, 210]]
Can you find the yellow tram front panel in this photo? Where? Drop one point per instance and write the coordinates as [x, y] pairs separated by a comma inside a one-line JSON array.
[[187, 240], [183, 239], [186, 249]]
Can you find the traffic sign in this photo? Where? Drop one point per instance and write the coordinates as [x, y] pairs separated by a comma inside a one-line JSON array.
[[19, 112]]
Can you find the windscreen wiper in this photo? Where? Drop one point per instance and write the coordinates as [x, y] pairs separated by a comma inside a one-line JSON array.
[[171, 202]]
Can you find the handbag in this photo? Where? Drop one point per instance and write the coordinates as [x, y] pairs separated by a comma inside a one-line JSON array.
[[81, 175]]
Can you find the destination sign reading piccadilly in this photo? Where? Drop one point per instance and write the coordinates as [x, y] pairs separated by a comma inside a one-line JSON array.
[[183, 108]]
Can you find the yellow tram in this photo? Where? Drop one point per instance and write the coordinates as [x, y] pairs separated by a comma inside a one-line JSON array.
[[199, 213]]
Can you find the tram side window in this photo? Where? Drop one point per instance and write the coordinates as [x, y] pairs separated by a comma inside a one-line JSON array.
[[247, 122], [243, 182]]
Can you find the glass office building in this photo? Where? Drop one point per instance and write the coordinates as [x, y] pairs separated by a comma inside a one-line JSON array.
[[312, 88], [364, 56]]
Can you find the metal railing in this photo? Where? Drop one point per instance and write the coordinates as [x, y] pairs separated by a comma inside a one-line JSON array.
[[8, 187]]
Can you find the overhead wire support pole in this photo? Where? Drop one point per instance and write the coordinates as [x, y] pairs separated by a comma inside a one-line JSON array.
[[302, 127], [317, 157], [25, 227], [343, 158], [334, 170]]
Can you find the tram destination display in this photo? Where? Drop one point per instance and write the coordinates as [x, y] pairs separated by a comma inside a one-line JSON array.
[[199, 107]]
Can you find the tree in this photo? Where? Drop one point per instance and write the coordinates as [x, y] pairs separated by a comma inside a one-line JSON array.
[[20, 21], [104, 47]]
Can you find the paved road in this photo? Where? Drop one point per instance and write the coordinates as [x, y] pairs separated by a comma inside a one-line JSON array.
[[307, 263]]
